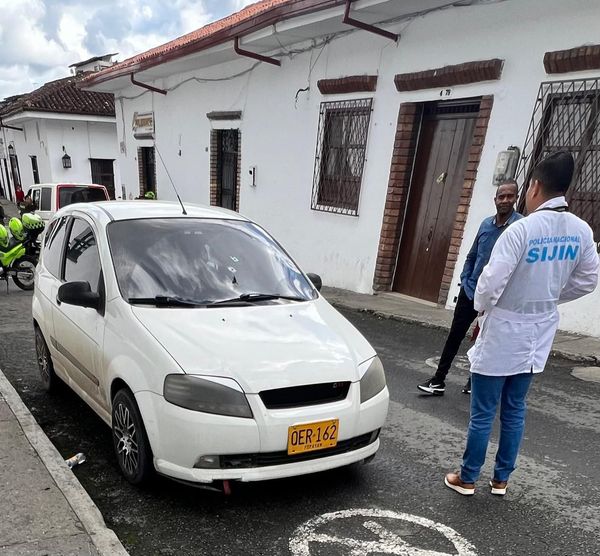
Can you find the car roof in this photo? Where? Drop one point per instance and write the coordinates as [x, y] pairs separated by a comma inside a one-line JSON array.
[[65, 183], [105, 211]]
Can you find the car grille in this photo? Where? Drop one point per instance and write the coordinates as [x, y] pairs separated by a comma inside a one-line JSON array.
[[245, 461], [309, 394]]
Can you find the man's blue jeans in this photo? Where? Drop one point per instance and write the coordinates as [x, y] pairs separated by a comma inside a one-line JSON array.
[[486, 393]]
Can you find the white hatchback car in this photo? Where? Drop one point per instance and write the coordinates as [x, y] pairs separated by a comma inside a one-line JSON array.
[[202, 344]]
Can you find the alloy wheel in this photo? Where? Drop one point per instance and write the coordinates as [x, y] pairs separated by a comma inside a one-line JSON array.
[[127, 439], [42, 359]]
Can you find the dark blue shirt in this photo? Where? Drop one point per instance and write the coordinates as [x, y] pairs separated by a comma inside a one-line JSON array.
[[480, 252]]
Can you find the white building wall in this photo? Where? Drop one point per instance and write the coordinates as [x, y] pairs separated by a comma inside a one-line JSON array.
[[279, 124], [82, 140], [32, 141], [44, 138]]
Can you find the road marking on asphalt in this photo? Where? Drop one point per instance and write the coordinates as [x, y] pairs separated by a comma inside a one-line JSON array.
[[589, 374], [387, 542]]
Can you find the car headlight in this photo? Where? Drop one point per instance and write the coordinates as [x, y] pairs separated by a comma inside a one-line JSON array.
[[199, 394], [373, 381]]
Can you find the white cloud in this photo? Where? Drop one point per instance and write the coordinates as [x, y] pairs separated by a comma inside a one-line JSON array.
[[17, 79], [72, 33], [193, 16], [39, 39], [240, 4], [23, 39]]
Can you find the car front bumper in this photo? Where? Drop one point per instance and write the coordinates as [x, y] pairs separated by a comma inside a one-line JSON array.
[[248, 447]]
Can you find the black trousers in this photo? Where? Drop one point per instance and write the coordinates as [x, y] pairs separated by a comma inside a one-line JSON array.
[[464, 315]]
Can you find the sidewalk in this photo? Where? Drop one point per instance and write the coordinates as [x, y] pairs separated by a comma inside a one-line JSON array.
[[45, 510], [580, 349], [10, 208]]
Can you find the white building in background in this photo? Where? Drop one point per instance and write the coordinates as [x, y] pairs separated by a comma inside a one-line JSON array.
[[371, 155], [59, 133]]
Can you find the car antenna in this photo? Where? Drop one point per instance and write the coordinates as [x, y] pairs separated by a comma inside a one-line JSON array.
[[169, 175]]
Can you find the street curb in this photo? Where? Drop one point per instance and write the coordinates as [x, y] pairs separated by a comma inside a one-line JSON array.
[[104, 539], [555, 352]]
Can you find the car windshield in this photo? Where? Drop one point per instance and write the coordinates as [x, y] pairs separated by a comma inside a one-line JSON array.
[[202, 261], [82, 194]]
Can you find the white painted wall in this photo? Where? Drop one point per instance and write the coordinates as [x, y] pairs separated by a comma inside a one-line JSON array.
[[279, 132], [32, 141], [82, 140], [45, 138]]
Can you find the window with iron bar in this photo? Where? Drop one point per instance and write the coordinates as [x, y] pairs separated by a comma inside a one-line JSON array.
[[566, 117], [340, 156]]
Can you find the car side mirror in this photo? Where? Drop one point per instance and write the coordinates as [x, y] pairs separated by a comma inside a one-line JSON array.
[[316, 280], [78, 293]]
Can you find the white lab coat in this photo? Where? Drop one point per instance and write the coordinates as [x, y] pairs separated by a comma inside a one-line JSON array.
[[539, 261]]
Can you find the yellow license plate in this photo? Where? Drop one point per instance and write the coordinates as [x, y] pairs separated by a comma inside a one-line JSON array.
[[313, 436]]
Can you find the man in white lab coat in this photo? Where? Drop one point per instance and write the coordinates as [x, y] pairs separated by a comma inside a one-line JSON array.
[[547, 258]]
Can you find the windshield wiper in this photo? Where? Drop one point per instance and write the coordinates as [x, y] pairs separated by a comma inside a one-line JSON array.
[[253, 297], [166, 301]]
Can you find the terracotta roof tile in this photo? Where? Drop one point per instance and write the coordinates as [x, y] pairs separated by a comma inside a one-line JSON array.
[[62, 96], [247, 20]]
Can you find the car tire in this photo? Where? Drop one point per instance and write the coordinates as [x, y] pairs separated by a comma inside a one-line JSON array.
[[25, 264], [130, 441], [47, 375]]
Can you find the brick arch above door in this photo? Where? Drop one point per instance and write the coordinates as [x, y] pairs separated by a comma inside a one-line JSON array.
[[403, 158]]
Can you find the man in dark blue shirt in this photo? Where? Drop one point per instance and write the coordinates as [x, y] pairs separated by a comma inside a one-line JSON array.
[[478, 257]]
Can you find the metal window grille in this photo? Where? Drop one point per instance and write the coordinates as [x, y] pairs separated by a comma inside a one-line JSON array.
[[34, 169], [340, 156], [566, 117]]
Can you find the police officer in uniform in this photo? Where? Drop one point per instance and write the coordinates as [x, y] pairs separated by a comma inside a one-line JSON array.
[[542, 260]]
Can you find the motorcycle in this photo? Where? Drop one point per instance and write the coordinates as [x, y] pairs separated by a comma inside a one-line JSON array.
[[33, 226], [19, 252]]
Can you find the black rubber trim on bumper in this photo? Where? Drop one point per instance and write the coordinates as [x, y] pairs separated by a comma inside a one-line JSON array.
[[266, 459]]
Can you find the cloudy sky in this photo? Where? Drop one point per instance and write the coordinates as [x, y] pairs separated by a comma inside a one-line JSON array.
[[39, 39]]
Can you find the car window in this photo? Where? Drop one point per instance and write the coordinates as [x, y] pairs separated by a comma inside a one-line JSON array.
[[36, 199], [53, 246], [82, 260], [70, 195], [201, 259], [46, 199]]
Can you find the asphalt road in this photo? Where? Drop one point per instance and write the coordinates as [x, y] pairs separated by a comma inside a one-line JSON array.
[[395, 505]]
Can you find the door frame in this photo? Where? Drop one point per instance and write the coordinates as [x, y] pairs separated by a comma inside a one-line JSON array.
[[108, 183], [400, 178], [435, 114], [146, 169], [215, 166]]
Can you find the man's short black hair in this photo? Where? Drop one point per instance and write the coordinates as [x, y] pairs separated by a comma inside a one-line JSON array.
[[555, 173], [508, 181]]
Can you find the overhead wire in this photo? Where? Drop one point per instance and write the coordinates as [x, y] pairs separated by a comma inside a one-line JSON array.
[[292, 53]]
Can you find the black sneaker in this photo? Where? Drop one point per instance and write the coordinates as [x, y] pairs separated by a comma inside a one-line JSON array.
[[467, 387], [433, 386]]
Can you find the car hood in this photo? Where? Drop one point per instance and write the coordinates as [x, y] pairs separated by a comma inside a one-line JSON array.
[[263, 346]]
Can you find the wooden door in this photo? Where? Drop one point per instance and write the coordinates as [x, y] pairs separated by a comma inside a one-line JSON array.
[[435, 190], [227, 168], [103, 174]]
